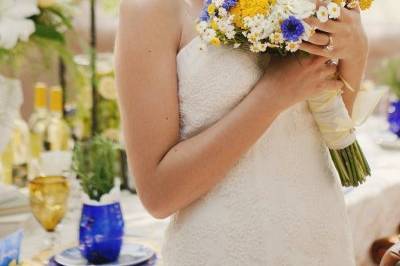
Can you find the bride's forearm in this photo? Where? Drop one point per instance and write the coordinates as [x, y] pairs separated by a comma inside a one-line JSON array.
[[192, 167], [352, 71]]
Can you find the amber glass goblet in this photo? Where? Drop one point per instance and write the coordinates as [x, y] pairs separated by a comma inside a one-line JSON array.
[[48, 197]]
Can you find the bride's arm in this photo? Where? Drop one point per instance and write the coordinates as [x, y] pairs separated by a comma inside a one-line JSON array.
[[350, 44], [170, 174]]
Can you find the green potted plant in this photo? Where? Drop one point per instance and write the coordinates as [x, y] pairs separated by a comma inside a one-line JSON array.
[[101, 226]]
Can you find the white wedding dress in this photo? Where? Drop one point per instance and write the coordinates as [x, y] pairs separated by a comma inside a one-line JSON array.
[[281, 204]]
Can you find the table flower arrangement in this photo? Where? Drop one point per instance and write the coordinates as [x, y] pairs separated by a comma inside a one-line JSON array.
[[37, 24], [101, 225], [390, 76], [279, 27]]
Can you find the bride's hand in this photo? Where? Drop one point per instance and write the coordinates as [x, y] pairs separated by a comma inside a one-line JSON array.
[[346, 36], [293, 79]]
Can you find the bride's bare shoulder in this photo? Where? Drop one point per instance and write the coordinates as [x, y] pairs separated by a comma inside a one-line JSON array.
[[156, 17], [166, 10]]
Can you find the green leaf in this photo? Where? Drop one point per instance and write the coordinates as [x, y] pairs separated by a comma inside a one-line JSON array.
[[48, 32], [94, 162], [59, 13]]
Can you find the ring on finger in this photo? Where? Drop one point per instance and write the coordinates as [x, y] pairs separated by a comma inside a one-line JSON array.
[[329, 47]]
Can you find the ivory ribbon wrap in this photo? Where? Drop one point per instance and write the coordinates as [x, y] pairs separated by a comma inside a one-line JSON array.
[[333, 119]]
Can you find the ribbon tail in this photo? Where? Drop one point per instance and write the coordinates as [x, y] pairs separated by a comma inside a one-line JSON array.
[[365, 103]]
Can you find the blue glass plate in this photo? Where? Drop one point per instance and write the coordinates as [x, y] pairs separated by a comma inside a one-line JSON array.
[[131, 254]]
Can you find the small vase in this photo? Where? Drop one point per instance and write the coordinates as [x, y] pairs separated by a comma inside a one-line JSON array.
[[101, 232], [394, 117]]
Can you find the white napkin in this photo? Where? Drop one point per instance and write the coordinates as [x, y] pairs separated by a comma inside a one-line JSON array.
[[8, 193], [10, 101]]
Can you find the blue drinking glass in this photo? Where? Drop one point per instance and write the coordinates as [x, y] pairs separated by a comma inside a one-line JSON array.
[[394, 117], [101, 232]]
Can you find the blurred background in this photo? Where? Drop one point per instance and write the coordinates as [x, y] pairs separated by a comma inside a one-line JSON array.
[[61, 82]]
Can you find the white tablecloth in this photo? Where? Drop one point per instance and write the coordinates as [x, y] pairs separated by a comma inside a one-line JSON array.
[[373, 208]]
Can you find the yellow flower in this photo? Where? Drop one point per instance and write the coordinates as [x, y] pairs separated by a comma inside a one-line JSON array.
[[215, 41], [339, 2], [211, 9], [365, 4], [214, 25], [250, 8], [46, 3]]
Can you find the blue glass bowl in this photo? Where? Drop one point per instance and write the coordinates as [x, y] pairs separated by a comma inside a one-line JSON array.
[[101, 232], [394, 117]]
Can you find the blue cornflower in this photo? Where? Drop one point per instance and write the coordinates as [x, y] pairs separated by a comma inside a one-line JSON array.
[[228, 4], [292, 29], [204, 16]]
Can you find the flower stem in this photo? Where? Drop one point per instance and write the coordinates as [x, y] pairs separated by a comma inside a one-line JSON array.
[[351, 165]]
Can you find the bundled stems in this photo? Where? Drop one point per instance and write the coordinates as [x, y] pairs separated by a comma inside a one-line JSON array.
[[351, 165]]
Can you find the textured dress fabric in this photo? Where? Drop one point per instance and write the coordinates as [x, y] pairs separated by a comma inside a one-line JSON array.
[[281, 204]]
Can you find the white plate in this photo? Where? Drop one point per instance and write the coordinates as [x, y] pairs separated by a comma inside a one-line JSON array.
[[131, 254], [389, 141]]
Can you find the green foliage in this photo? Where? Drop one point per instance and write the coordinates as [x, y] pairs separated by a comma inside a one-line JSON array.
[[51, 25], [390, 75], [94, 163], [48, 32], [108, 115], [110, 6]]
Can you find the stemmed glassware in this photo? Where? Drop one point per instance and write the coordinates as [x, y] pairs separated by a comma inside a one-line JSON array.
[[48, 197]]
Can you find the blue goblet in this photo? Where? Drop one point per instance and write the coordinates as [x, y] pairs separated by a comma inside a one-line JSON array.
[[101, 232], [394, 117]]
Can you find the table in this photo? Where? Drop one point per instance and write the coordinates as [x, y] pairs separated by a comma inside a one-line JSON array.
[[372, 208], [139, 227]]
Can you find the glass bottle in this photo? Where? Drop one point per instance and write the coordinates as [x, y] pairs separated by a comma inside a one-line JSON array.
[[38, 120], [58, 133], [16, 156]]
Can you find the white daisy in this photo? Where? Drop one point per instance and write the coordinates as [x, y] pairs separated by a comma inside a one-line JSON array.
[[308, 31], [201, 27], [276, 38], [333, 10], [218, 3], [222, 12], [292, 46], [300, 8], [322, 14], [208, 35], [225, 25], [230, 34], [258, 47], [14, 22], [258, 28], [352, 4]]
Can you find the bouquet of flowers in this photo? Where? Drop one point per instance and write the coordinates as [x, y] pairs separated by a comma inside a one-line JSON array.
[[279, 27], [41, 23]]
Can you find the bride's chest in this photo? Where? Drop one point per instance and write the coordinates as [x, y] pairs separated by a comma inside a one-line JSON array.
[[211, 83]]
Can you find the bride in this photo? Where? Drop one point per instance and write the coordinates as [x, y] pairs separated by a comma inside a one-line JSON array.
[[229, 150]]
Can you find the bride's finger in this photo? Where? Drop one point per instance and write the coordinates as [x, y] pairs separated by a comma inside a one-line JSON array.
[[330, 26], [319, 39], [318, 50]]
